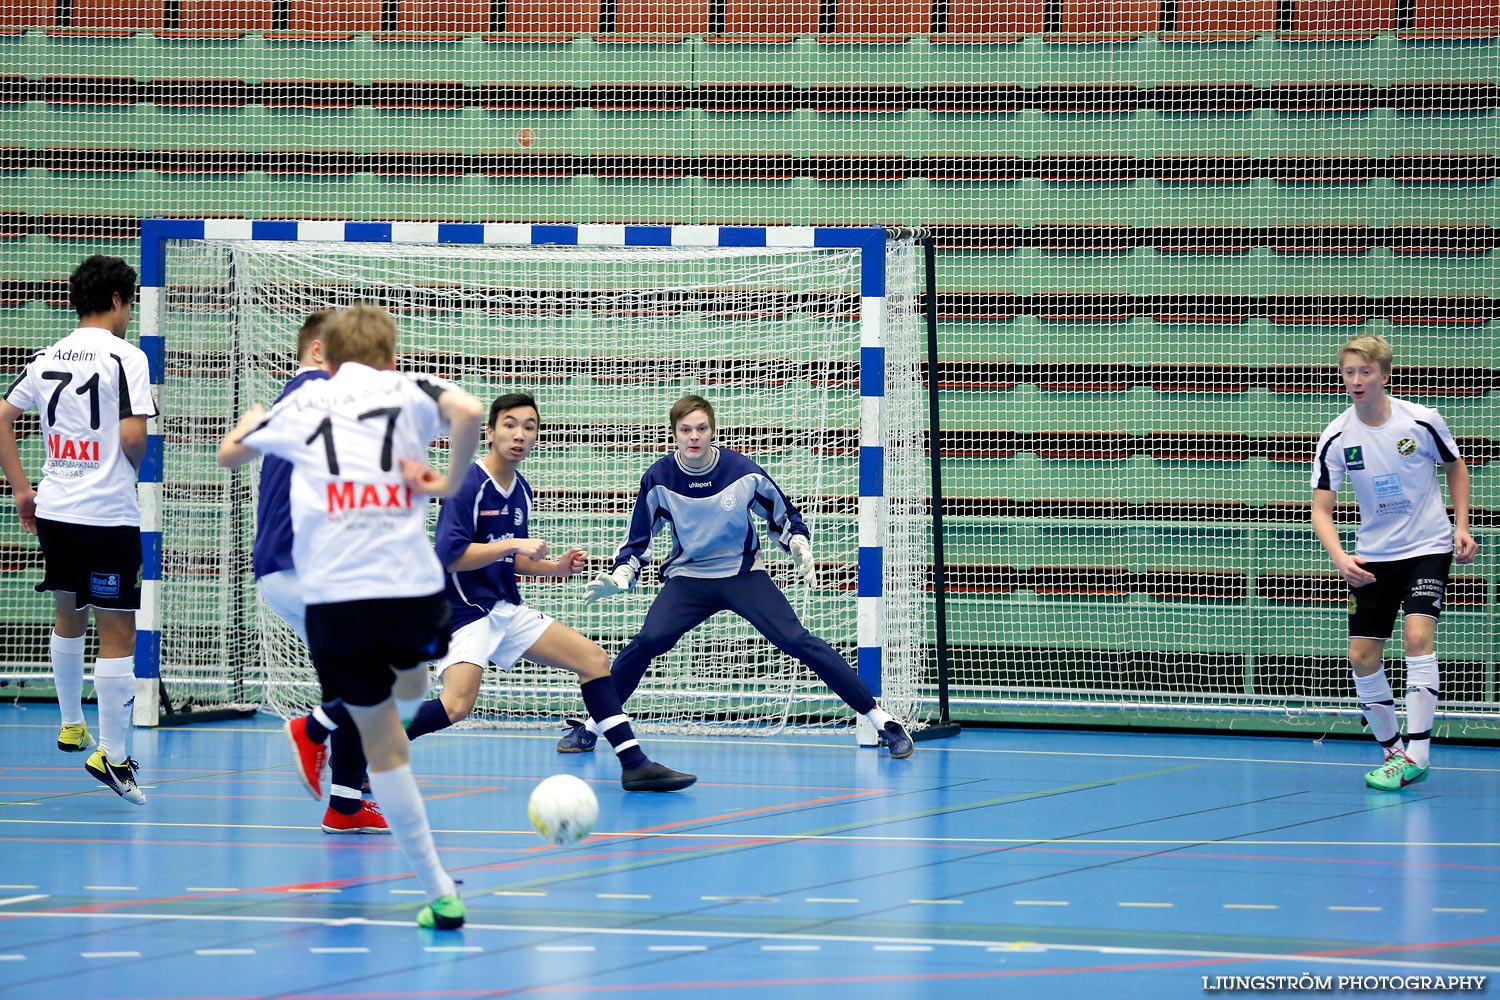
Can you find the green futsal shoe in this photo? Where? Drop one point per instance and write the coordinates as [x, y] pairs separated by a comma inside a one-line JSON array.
[[1396, 773], [446, 913]]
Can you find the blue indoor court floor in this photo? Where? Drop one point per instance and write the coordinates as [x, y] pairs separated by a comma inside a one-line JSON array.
[[999, 863]]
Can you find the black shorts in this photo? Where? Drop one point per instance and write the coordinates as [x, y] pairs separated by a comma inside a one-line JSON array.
[[100, 566], [357, 646], [1414, 586]]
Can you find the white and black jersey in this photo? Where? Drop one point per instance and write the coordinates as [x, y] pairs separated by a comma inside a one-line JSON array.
[[82, 387], [359, 532], [1392, 470]]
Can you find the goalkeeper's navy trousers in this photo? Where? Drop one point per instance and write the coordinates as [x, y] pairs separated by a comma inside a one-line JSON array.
[[684, 603]]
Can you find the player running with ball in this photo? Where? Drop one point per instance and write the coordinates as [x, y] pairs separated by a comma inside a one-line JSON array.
[[1388, 450], [374, 590], [709, 493]]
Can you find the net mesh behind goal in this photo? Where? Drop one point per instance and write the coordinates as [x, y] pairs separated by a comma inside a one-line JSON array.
[[606, 339]]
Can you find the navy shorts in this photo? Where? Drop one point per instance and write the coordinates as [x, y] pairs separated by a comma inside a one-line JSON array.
[[1414, 586], [99, 565], [357, 646]]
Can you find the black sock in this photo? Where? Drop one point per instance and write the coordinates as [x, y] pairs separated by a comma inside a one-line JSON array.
[[431, 716], [346, 766], [603, 702]]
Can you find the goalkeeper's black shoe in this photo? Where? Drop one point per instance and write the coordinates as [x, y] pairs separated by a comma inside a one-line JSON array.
[[655, 777], [898, 739]]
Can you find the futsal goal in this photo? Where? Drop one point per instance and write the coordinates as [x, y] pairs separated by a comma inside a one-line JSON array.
[[808, 341]]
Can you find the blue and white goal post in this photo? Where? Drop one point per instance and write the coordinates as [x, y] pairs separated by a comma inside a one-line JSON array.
[[809, 340]]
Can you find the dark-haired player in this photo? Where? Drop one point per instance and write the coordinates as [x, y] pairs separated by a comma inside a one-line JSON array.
[[92, 391]]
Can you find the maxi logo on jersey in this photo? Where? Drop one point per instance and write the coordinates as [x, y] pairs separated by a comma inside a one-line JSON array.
[[83, 450], [349, 495]]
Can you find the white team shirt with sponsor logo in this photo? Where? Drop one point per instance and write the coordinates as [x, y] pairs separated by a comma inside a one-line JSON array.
[[358, 532], [82, 386], [1392, 470]]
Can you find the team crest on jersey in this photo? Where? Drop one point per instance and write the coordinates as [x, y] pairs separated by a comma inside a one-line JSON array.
[[1354, 458], [727, 501], [518, 514], [1406, 447]]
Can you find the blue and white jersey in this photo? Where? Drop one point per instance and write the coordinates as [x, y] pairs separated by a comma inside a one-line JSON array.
[[1393, 471], [482, 510], [273, 510], [713, 534]]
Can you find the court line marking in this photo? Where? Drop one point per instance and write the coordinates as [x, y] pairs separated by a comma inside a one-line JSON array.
[[1161, 906], [1357, 957], [12, 958], [23, 899], [479, 734], [621, 895], [214, 952], [454, 949], [753, 837]]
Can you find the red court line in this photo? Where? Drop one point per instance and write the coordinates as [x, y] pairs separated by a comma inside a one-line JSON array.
[[470, 791]]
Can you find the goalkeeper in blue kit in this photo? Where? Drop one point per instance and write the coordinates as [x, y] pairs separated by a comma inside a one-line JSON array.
[[708, 494]]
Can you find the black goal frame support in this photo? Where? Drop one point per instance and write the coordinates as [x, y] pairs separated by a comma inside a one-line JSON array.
[[944, 727]]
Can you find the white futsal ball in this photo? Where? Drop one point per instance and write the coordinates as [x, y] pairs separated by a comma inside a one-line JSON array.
[[563, 809]]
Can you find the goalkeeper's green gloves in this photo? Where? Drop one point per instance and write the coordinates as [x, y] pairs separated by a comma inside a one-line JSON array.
[[802, 560], [617, 581]]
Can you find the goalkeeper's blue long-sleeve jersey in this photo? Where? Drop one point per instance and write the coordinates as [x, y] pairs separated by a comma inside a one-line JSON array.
[[713, 534]]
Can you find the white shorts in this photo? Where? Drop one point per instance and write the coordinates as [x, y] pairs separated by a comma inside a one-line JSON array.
[[282, 593], [502, 637]]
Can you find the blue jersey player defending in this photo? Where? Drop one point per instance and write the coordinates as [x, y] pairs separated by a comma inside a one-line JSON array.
[[708, 494], [281, 589], [483, 541]]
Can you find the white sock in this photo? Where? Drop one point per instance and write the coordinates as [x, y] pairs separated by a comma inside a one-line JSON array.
[[1421, 706], [67, 677], [878, 718], [323, 719], [592, 726], [114, 683], [1379, 706], [401, 804]]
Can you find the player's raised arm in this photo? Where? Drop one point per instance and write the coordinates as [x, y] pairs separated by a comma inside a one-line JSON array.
[[233, 453], [463, 414]]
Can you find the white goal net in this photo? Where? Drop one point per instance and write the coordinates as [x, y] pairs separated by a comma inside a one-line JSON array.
[[606, 338]]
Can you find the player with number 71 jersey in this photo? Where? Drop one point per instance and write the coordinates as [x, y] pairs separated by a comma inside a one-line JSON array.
[[346, 437]]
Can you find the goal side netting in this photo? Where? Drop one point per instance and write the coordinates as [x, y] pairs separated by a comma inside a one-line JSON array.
[[779, 338]]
